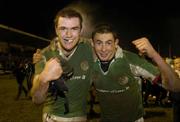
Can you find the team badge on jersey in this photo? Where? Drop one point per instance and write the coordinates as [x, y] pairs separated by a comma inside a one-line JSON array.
[[123, 80], [84, 65]]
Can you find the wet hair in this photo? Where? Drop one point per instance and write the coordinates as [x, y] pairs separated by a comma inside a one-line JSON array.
[[69, 13], [104, 28]]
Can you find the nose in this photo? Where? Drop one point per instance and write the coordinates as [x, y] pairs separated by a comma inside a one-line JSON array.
[[103, 48], [68, 33]]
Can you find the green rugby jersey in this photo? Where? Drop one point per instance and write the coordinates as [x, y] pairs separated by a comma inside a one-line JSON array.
[[78, 85], [118, 89]]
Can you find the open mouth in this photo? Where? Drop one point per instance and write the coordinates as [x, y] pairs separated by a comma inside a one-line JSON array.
[[103, 55], [68, 40]]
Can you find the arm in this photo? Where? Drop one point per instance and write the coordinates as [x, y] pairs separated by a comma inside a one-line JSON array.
[[52, 71], [169, 79], [39, 90]]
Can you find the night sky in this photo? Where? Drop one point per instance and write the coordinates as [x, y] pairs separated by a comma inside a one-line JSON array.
[[160, 22]]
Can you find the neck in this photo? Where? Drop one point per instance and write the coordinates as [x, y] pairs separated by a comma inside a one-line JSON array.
[[105, 65], [66, 53], [107, 61]]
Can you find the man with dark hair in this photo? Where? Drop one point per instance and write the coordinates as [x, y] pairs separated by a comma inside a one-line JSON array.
[[68, 46], [116, 75]]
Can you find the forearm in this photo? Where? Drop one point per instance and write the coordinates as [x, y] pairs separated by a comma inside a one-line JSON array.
[[39, 90], [169, 78]]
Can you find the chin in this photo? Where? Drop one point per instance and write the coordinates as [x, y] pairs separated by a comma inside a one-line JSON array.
[[68, 47], [102, 59]]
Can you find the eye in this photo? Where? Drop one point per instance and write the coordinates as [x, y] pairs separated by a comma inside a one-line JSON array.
[[76, 28], [109, 42], [61, 28], [98, 42]]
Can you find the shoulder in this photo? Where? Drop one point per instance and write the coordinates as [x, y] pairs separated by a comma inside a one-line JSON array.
[[50, 47], [84, 40], [129, 54], [85, 43], [133, 57]]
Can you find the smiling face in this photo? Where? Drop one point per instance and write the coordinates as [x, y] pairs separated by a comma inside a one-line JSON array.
[[68, 30], [105, 46]]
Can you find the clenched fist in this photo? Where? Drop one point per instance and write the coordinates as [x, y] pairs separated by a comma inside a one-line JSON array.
[[144, 47]]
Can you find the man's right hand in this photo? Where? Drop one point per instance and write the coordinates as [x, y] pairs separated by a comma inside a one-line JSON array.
[[52, 70], [37, 56]]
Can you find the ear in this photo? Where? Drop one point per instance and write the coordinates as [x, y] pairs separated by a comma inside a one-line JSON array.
[[116, 42], [81, 30], [92, 42]]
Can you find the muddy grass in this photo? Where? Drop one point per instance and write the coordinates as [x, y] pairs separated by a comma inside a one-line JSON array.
[[11, 110]]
